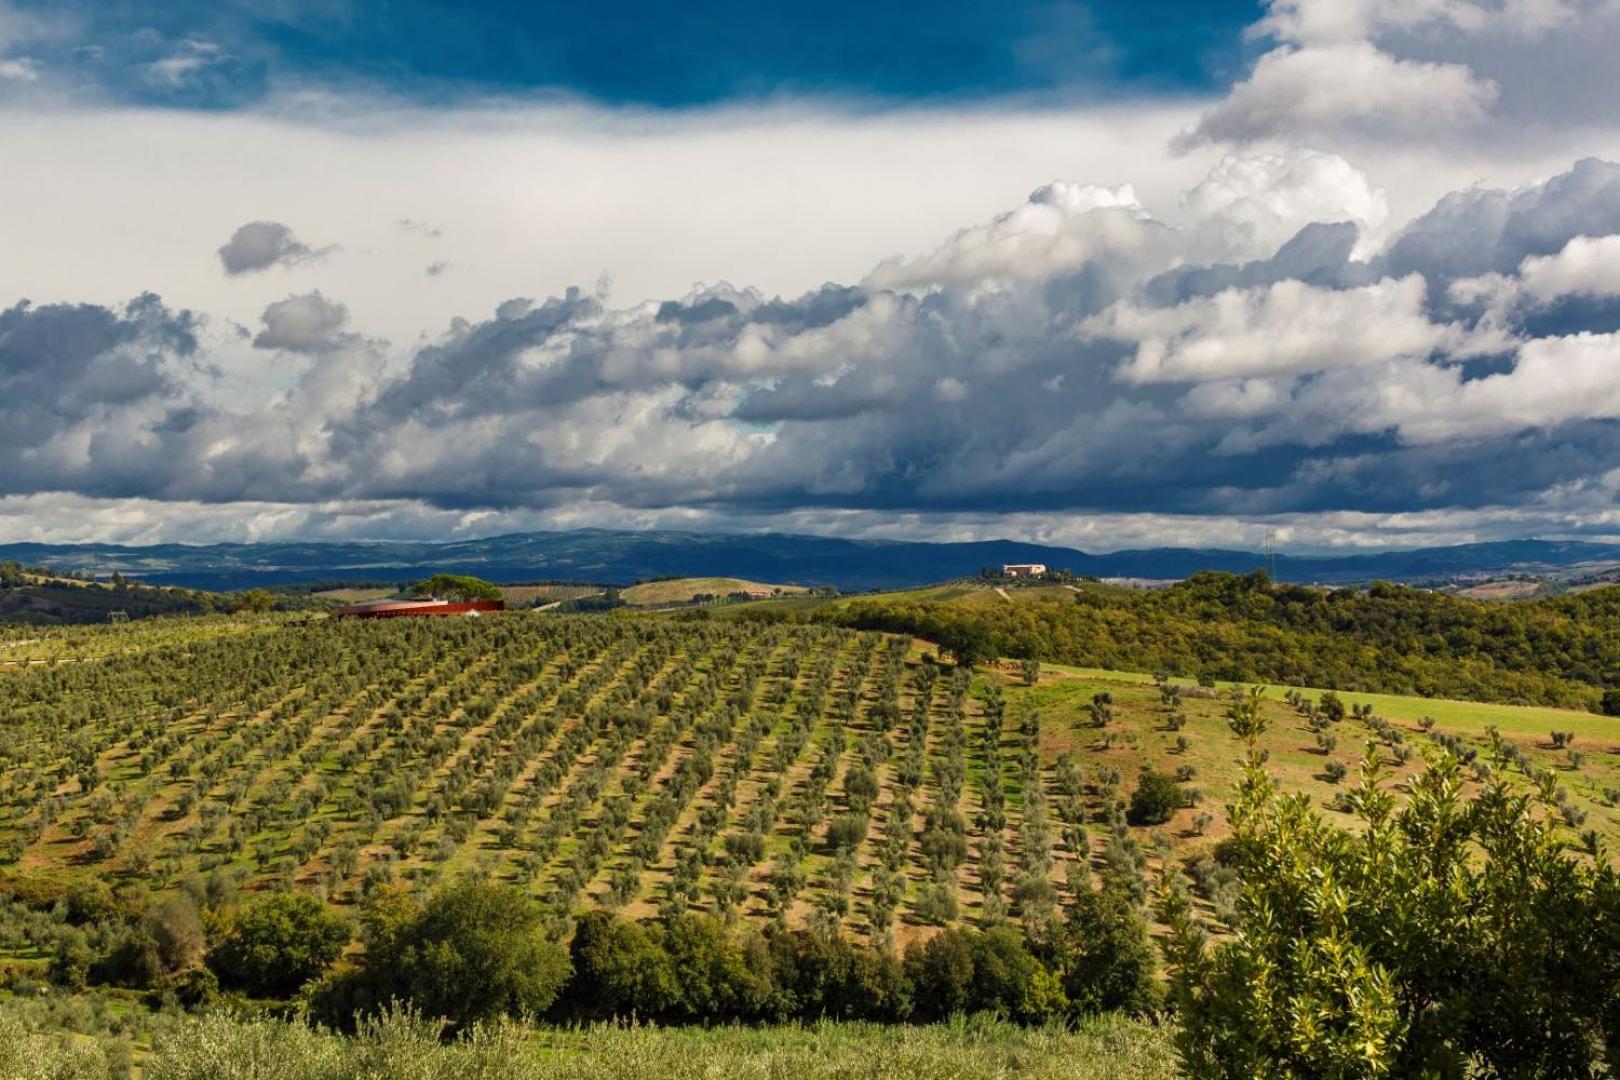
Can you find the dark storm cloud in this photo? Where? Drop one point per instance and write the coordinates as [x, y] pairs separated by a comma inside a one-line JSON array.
[[62, 364]]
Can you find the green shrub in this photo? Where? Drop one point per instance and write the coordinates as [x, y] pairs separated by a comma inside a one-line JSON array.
[[1156, 799], [1453, 934]]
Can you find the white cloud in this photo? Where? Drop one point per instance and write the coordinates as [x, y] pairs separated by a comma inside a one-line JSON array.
[[1319, 21], [1554, 381], [1285, 328], [1348, 88], [1587, 266], [1061, 227], [20, 69], [1254, 202]]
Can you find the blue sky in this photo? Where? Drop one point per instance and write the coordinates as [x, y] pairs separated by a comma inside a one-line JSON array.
[[1108, 275], [677, 55]]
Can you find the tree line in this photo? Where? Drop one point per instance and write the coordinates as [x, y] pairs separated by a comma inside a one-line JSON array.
[[475, 949]]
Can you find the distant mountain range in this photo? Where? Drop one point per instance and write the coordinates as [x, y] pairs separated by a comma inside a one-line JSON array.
[[617, 557]]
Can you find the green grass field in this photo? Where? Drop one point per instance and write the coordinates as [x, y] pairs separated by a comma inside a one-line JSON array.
[[1139, 735], [682, 590]]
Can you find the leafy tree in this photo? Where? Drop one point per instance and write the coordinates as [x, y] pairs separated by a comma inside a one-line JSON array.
[[177, 929], [1009, 981], [70, 962], [715, 978], [474, 950], [846, 831], [1103, 955], [968, 641], [255, 600], [620, 968], [941, 974], [278, 942]]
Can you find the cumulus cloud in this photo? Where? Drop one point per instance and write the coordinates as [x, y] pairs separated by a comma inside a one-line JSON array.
[[305, 324], [1285, 328], [1341, 20], [1256, 202], [1385, 71], [1062, 226], [1553, 381], [259, 245], [1344, 88], [1586, 266]]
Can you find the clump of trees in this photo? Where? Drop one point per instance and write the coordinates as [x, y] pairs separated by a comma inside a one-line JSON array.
[[696, 968], [277, 942]]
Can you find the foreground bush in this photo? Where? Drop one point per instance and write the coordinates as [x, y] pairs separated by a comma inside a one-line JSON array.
[[1461, 934]]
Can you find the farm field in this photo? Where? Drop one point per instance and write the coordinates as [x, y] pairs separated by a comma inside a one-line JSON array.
[[683, 590], [357, 595], [804, 774], [782, 771], [1139, 733], [534, 595]]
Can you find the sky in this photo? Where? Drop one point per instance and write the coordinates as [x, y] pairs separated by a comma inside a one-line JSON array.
[[1109, 275]]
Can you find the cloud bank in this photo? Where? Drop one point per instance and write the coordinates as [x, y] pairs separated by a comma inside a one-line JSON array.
[[1075, 355]]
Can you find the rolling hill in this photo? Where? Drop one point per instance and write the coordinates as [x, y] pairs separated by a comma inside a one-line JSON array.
[[608, 556]]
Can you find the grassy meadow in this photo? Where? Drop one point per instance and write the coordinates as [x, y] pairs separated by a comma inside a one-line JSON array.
[[683, 590], [219, 1047]]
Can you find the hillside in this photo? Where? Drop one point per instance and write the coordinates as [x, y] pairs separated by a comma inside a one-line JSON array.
[[606, 556], [635, 762], [1561, 651], [685, 590], [37, 596], [824, 822]]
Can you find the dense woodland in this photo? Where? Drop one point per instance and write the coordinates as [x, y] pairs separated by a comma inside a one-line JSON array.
[[1386, 638]]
